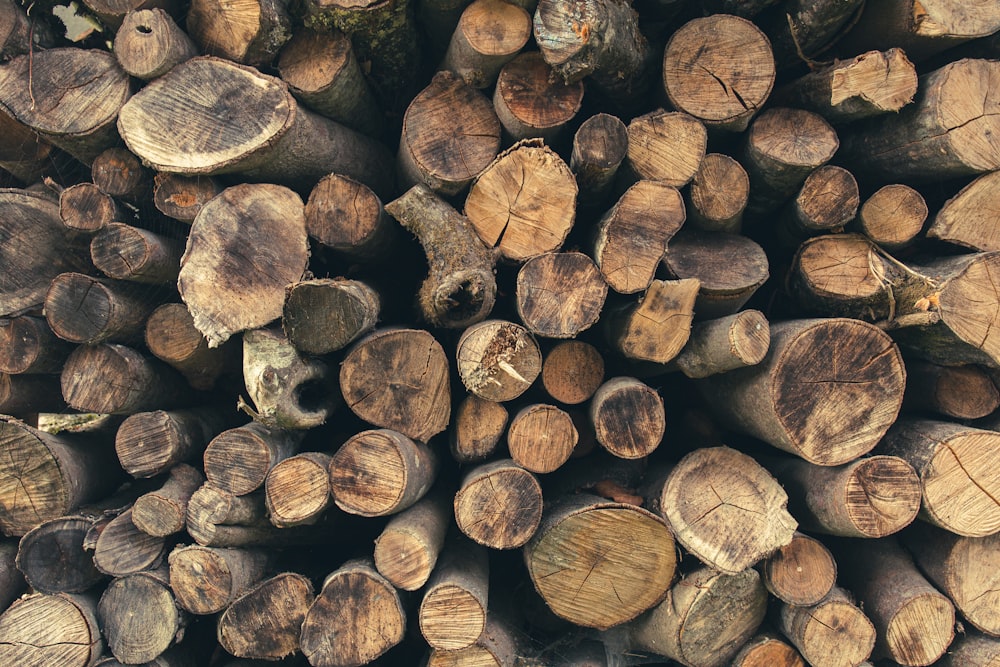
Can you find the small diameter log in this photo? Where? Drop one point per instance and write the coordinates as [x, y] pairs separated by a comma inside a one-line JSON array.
[[705, 619], [323, 74], [497, 646], [172, 337], [122, 549], [541, 438], [324, 315], [767, 650], [628, 417], [348, 217], [958, 392], [84, 309], [439, 18], [460, 288], [783, 146], [826, 202], [599, 147], [560, 294], [941, 135], [118, 380], [381, 472], [957, 466], [175, 656], [801, 573], [450, 135], [658, 326], [83, 91], [25, 395], [872, 497], [119, 173], [55, 629], [151, 443], [219, 519], [803, 30], [572, 371], [264, 622], [237, 460], [531, 102], [181, 197], [111, 12], [206, 580], [893, 216], [477, 428], [971, 650], [264, 27], [139, 617], [631, 238], [498, 360], [719, 69], [718, 195], [499, 505], [524, 203], [85, 209], [356, 617], [137, 255], [966, 569], [148, 44], [163, 512], [964, 219], [52, 558], [453, 610], [407, 549], [666, 146], [398, 379], [15, 30], [599, 564], [222, 279], [297, 489], [725, 344], [489, 34], [45, 476], [796, 401], [914, 622], [834, 632], [730, 268]]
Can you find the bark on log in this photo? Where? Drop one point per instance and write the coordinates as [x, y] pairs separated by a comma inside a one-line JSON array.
[[497, 646], [52, 558], [163, 512], [958, 392], [111, 12], [541, 438], [531, 102], [88, 310], [348, 217], [139, 617], [297, 489], [725, 344], [666, 146], [718, 195], [26, 395], [118, 380], [324, 315], [172, 337], [453, 610], [207, 580], [238, 460], [477, 428], [498, 360], [40, 630], [119, 173], [572, 371], [149, 44], [181, 197], [407, 549], [657, 327], [250, 628], [893, 216], [560, 294], [150, 443], [803, 30], [826, 202], [488, 35], [85, 209], [767, 650], [801, 573], [599, 147], [125, 252], [514, 498], [122, 549], [628, 417], [831, 633], [964, 219], [219, 519], [249, 32]]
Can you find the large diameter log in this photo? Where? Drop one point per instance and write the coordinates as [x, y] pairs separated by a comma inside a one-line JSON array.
[[560, 294], [150, 443], [149, 43], [163, 512], [264, 622], [531, 102], [827, 390], [206, 580], [834, 632], [453, 610], [297, 489], [407, 549], [43, 630], [119, 380], [172, 337], [489, 34], [499, 504], [498, 360], [264, 27], [964, 219], [666, 146], [83, 309], [52, 558], [600, 564], [139, 617], [801, 573]]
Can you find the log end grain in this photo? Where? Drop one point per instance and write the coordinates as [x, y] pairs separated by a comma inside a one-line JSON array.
[[513, 497]]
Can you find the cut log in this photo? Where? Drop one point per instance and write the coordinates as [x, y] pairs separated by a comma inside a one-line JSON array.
[[541, 438], [830, 633], [572, 371], [181, 197], [139, 617], [767, 650], [249, 32], [453, 610], [250, 626], [477, 428], [24, 155], [83, 309], [238, 460], [666, 146], [206, 580], [85, 209], [801, 573], [172, 337], [560, 294], [826, 202], [348, 217], [407, 549], [137, 255], [111, 12], [118, 380], [150, 443], [657, 327], [718, 195], [488, 35], [499, 505], [725, 344], [52, 558], [628, 417], [40, 630], [149, 44], [122, 549], [599, 147], [175, 656], [958, 392], [219, 519], [12, 582], [532, 102], [498, 360], [324, 315], [297, 489], [964, 219], [118, 173], [893, 216], [971, 650], [163, 512]]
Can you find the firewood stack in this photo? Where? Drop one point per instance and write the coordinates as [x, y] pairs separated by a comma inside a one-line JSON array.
[[500, 333]]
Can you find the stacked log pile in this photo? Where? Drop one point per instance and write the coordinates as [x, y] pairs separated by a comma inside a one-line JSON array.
[[500, 333]]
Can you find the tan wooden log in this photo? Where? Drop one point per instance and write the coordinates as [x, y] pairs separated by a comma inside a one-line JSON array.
[[206, 580], [600, 145], [172, 337], [725, 344], [122, 549], [767, 649], [477, 429], [955, 392], [238, 460], [628, 417], [541, 438], [297, 489], [964, 219], [115, 379], [407, 549], [265, 26], [892, 216], [801, 573], [324, 315], [453, 610], [129, 253], [531, 102], [488, 35], [834, 631], [718, 194], [348, 217], [249, 628], [163, 512], [181, 197], [656, 328], [498, 360], [514, 497], [85, 209], [666, 146], [572, 371]]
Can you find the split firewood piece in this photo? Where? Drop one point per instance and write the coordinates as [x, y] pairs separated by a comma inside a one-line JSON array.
[[118, 173], [297, 489], [658, 326], [599, 564], [460, 288], [834, 632], [80, 91], [324, 315], [826, 202], [499, 505], [172, 337], [324, 75], [971, 649], [725, 344], [122, 549], [768, 649], [531, 102], [524, 203], [632, 237], [230, 286], [914, 622], [264, 27], [163, 512], [250, 626], [381, 472], [966, 569], [85, 209], [206, 580], [450, 134], [477, 429], [139, 616], [872, 497], [560, 294], [24, 155], [941, 135], [893, 216], [497, 646], [801, 573], [628, 417], [356, 617], [151, 443], [730, 268], [783, 147], [724, 508], [719, 69], [129, 253], [803, 30], [348, 217], [959, 392], [871, 84], [247, 123], [52, 556], [498, 360], [26, 395], [238, 460], [666, 146], [957, 466], [88, 310], [572, 371], [45, 629], [541, 438], [453, 610], [398, 379], [45, 476], [181, 197], [489, 34], [599, 147], [407, 549], [718, 195], [149, 43], [705, 619], [964, 219], [118, 380]]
